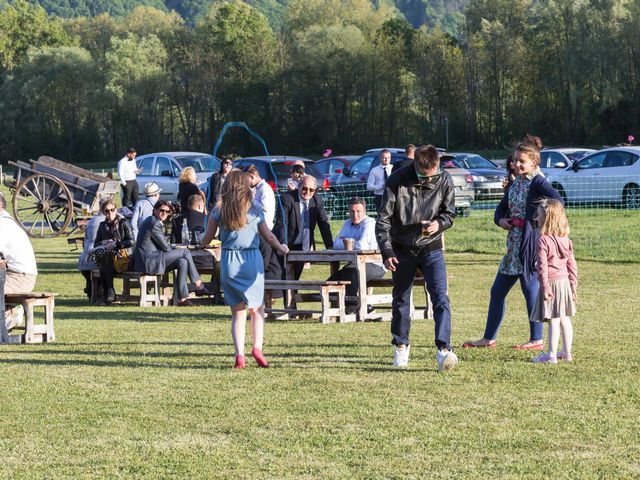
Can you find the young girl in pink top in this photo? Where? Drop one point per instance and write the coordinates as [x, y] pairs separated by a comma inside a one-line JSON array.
[[558, 275]]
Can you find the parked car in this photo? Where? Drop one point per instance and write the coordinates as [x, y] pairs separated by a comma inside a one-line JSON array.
[[358, 173], [164, 168], [331, 168], [553, 158], [487, 176], [608, 176], [280, 166]]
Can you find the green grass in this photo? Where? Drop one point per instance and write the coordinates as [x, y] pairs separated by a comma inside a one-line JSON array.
[[130, 392]]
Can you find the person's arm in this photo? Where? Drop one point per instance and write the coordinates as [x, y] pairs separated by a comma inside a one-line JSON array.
[[500, 216], [368, 239], [385, 219], [134, 219], [271, 239], [281, 214], [447, 211], [323, 223], [544, 189], [99, 237], [128, 239], [121, 171], [158, 238], [371, 180], [212, 229], [337, 242], [572, 269], [543, 267]]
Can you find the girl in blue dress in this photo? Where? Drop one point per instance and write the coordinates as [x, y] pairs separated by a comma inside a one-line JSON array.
[[241, 264]]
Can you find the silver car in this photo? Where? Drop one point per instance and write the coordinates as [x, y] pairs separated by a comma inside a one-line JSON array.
[[552, 159], [164, 168]]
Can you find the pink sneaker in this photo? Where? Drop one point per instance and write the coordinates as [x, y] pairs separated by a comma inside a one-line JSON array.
[[545, 358], [240, 361], [565, 357]]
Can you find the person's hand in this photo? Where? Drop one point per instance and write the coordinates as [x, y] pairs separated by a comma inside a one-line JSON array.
[[433, 227], [575, 297], [505, 223], [548, 296], [391, 263], [283, 249], [138, 170]]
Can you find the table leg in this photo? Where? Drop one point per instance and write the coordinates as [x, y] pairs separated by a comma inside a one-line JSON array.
[[362, 288]]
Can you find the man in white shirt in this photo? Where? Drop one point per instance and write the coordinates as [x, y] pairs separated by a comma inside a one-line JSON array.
[[378, 177], [144, 207], [362, 229], [127, 171], [16, 249], [265, 200]]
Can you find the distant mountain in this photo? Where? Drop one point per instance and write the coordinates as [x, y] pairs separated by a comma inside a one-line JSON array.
[[445, 13]]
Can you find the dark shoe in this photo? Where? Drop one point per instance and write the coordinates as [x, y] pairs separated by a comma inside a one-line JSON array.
[[203, 292], [186, 303], [350, 309], [111, 297], [218, 299], [371, 309]]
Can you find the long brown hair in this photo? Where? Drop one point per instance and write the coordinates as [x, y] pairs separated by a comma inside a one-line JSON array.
[[555, 219], [235, 199]]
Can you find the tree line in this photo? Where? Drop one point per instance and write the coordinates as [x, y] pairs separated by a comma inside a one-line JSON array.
[[339, 74]]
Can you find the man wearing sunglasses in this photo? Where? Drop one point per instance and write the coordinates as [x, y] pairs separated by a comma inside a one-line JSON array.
[[154, 255], [418, 206], [303, 210], [215, 182]]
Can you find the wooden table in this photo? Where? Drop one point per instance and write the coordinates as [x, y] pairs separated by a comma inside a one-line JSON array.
[[359, 258]]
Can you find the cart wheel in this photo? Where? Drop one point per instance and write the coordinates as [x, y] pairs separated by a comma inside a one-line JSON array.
[[42, 205]]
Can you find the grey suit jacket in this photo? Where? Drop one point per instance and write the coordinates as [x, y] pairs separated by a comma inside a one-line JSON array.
[[150, 247]]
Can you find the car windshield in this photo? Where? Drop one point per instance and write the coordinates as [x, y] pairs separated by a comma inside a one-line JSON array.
[[201, 163], [473, 161], [575, 156]]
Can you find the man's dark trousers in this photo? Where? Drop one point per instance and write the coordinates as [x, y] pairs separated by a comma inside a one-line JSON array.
[[129, 193], [435, 274]]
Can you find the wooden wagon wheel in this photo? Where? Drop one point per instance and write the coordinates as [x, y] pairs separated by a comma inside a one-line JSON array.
[[43, 205]]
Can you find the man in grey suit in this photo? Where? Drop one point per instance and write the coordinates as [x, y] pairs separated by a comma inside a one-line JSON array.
[[154, 255]]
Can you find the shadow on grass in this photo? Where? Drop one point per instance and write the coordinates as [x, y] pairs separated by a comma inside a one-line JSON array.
[[140, 315]]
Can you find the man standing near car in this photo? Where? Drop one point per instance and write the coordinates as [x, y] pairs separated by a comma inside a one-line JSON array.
[[302, 210], [418, 206], [378, 178], [215, 183], [127, 171], [410, 152]]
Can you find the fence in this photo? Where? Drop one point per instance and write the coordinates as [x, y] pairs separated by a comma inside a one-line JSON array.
[[594, 191]]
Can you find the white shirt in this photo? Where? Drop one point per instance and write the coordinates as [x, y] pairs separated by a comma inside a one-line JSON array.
[[364, 234], [15, 246], [126, 169], [298, 240], [265, 200], [376, 182]]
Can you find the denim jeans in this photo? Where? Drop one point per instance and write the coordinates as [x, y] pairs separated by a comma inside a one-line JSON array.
[[497, 304], [435, 274]]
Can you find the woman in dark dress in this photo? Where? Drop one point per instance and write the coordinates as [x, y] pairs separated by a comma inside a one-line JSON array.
[[188, 187], [114, 234]]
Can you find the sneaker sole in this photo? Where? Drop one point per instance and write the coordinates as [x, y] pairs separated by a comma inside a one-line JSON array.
[[449, 363]]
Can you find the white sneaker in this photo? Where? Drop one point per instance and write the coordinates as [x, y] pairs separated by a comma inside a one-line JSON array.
[[446, 359], [14, 317], [401, 356]]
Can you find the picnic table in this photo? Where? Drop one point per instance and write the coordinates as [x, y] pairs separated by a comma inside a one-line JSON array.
[[358, 258], [4, 334]]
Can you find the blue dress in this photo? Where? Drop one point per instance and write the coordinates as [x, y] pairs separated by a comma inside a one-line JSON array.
[[241, 264]]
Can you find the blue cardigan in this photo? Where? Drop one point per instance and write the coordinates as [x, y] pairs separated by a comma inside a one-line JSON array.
[[540, 188]]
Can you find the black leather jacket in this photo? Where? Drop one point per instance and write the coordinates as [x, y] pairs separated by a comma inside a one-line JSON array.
[[406, 202], [125, 231]]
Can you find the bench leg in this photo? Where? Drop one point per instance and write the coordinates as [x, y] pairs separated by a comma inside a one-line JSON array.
[[325, 316], [28, 318], [96, 287], [341, 304], [149, 299], [48, 318]]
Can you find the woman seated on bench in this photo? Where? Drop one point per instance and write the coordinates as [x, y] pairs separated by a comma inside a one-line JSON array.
[[154, 255], [114, 234]]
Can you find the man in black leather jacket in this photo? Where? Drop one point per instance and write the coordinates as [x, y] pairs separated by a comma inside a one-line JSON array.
[[418, 205], [154, 255]]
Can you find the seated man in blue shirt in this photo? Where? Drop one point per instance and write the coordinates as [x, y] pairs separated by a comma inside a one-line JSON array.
[[361, 229]]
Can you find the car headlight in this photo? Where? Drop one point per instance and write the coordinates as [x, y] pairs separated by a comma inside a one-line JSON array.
[[479, 178]]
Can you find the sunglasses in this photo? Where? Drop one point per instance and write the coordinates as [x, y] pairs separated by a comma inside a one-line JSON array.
[[308, 189], [108, 210], [164, 210], [226, 164]]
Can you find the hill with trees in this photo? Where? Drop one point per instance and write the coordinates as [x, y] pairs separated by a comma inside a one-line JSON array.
[[445, 13]]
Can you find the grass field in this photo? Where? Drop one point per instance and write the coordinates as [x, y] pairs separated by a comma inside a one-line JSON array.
[[127, 392]]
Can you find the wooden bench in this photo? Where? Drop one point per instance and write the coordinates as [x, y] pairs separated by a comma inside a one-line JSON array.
[[76, 242], [324, 289], [34, 333], [425, 312], [131, 280]]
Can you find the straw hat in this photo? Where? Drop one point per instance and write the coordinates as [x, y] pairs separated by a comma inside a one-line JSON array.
[[151, 189]]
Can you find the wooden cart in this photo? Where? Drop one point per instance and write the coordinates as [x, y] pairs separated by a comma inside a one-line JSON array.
[[49, 195]]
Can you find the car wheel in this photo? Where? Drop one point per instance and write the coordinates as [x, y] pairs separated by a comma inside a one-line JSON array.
[[561, 192], [631, 197]]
